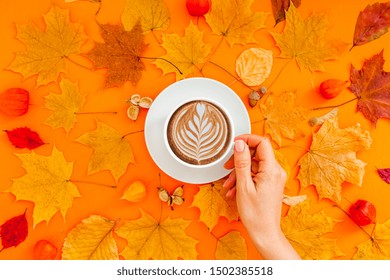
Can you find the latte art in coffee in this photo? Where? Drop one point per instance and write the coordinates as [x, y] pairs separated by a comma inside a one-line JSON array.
[[199, 132]]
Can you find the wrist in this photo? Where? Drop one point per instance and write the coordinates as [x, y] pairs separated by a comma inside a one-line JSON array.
[[274, 245]]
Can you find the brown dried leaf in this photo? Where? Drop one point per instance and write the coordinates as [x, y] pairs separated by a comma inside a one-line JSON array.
[[120, 53]]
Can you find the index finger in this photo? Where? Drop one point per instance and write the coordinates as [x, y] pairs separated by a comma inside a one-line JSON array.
[[264, 151]]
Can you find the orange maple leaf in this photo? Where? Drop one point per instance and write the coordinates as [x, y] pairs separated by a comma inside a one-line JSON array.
[[305, 40], [48, 50], [120, 53], [282, 123], [160, 240], [371, 86]]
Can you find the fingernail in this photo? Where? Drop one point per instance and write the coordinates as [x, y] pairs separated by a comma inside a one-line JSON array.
[[224, 183], [229, 193], [239, 146]]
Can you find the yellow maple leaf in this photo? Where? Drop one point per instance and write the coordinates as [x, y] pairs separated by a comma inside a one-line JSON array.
[[184, 52], [135, 192], [91, 239], [231, 246], [235, 20], [212, 202], [111, 151], [282, 160], [304, 40], [64, 106], [332, 160], [378, 246], [47, 50], [306, 230], [153, 15], [281, 117], [46, 183], [151, 239]]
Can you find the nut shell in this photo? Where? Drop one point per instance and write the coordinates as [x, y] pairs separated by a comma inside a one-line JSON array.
[[253, 97], [133, 112]]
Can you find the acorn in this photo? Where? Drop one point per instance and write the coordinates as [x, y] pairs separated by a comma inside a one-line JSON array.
[[263, 90], [253, 97]]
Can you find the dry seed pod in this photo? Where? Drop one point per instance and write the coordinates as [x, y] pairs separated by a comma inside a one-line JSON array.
[[145, 102], [331, 88], [253, 97], [135, 99], [320, 120], [133, 112], [294, 200]]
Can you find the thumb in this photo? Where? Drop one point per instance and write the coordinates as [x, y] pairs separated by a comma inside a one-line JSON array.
[[242, 164]]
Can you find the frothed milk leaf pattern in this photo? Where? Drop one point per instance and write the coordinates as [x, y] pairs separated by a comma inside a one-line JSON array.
[[198, 132]]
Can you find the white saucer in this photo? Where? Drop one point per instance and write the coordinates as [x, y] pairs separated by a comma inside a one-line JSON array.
[[169, 99]]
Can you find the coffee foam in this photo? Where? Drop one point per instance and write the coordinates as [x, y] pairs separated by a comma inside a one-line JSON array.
[[199, 132]]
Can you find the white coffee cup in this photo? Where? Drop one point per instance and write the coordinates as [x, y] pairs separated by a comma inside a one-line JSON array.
[[228, 141]]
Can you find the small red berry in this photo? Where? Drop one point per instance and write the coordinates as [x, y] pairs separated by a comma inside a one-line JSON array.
[[362, 212], [198, 7]]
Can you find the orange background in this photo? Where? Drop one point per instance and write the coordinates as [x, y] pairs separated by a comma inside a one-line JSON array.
[[95, 199]]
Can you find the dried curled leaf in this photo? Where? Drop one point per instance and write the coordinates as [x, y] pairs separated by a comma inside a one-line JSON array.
[[294, 200], [254, 65], [320, 120], [135, 192]]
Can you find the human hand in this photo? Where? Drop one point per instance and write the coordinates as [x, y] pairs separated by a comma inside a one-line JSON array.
[[258, 182]]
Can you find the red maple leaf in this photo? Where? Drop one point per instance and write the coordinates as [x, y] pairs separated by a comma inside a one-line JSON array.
[[24, 137], [14, 231], [371, 85]]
